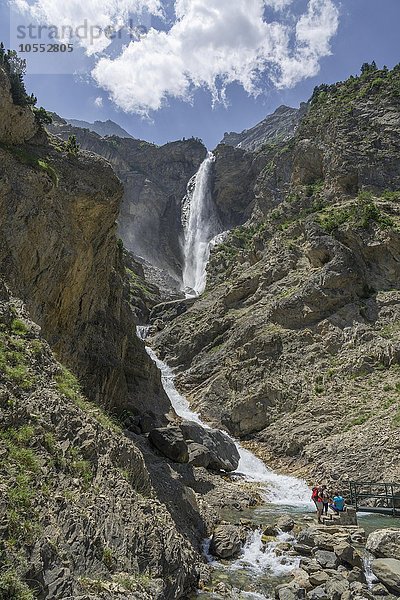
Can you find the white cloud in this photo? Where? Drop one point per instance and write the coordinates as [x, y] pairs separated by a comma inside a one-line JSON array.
[[278, 4], [98, 14], [313, 33], [98, 102], [214, 43], [211, 44]]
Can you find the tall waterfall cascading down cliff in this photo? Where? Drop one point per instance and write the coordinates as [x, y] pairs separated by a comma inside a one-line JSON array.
[[201, 225]]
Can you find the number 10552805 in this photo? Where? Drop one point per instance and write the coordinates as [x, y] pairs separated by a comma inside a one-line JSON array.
[[46, 48]]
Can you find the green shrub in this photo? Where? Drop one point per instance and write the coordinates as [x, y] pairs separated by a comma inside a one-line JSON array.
[[42, 116], [83, 469], [14, 365], [51, 172], [27, 157], [360, 214], [12, 588], [21, 376], [15, 68], [72, 146], [107, 557], [23, 435], [25, 458], [360, 420], [19, 327], [67, 384], [391, 196]]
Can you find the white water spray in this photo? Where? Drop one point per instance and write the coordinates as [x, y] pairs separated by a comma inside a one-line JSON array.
[[279, 489], [200, 228], [261, 562]]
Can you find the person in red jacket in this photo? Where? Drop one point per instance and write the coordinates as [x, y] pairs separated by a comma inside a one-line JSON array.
[[317, 498]]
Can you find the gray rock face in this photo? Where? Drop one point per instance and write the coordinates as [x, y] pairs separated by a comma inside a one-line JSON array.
[[327, 560], [223, 452], [234, 179], [199, 455], [348, 554], [92, 493], [319, 578], [356, 574], [155, 180], [318, 593], [379, 590], [268, 343], [67, 266], [336, 586], [169, 441], [17, 123], [102, 128], [225, 542], [387, 570], [278, 127], [285, 523], [385, 543]]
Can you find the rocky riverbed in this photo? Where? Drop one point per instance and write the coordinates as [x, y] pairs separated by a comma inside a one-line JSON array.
[[299, 559]]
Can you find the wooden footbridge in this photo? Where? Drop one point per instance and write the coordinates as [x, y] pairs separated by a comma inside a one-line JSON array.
[[380, 498]]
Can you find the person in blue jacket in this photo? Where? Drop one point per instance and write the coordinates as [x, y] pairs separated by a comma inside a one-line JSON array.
[[338, 504]]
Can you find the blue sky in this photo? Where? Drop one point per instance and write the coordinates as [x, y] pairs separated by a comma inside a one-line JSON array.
[[161, 94]]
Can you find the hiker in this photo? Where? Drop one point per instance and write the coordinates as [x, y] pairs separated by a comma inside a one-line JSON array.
[[338, 504], [316, 497], [325, 499]]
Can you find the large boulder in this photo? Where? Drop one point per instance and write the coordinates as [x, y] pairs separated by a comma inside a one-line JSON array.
[[199, 455], [336, 586], [290, 591], [169, 441], [385, 543], [318, 593], [387, 570], [319, 578], [311, 536], [223, 452], [225, 542], [348, 555], [285, 523], [327, 560]]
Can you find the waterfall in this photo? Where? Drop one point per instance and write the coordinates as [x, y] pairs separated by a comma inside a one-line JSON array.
[[201, 224], [278, 489]]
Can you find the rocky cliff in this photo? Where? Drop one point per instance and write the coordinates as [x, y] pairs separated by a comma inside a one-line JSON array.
[[295, 343], [80, 515], [275, 128], [154, 180], [59, 253], [102, 128], [91, 507]]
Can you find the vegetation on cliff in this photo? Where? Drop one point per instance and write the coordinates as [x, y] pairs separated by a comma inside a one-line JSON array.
[[294, 343], [79, 515]]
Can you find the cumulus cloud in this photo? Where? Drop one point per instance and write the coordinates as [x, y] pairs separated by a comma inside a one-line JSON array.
[[98, 102], [98, 16], [211, 44], [217, 42]]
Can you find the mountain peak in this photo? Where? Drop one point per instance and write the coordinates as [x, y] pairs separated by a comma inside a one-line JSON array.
[[102, 128], [276, 127]]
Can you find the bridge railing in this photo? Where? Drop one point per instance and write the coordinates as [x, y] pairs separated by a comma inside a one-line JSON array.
[[376, 495]]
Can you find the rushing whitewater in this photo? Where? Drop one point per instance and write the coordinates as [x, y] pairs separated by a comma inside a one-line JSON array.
[[201, 226], [279, 489]]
